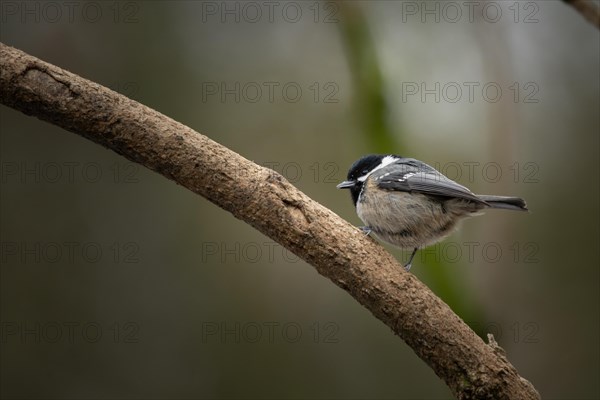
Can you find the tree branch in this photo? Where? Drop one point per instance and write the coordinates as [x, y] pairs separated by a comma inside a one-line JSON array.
[[588, 9], [268, 202]]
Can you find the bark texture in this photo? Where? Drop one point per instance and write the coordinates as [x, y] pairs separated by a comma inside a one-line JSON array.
[[267, 201]]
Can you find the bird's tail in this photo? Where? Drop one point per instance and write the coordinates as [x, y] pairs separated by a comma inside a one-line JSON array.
[[505, 202]]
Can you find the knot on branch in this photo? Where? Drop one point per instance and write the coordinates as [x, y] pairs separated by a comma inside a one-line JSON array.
[[35, 79], [294, 204]]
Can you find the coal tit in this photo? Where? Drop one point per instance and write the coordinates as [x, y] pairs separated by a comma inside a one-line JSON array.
[[410, 204]]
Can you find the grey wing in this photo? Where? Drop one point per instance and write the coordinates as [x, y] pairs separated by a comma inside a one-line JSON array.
[[429, 182]]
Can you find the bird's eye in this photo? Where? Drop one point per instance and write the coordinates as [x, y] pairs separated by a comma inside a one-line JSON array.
[[365, 171]]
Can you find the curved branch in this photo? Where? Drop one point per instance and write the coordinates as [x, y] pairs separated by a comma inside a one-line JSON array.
[[268, 202]]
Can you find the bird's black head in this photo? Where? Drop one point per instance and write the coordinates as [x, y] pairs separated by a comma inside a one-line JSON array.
[[358, 172]]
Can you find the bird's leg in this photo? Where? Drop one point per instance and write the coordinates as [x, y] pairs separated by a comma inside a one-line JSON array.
[[409, 264], [366, 229]]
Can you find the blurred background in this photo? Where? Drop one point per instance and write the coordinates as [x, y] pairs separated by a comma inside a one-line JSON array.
[[118, 283]]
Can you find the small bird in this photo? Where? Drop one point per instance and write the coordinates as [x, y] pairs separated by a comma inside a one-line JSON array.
[[410, 204]]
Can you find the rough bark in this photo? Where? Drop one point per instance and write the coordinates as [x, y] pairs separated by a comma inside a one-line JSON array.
[[264, 199]]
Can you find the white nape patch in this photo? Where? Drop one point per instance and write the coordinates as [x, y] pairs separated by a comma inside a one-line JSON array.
[[385, 161]]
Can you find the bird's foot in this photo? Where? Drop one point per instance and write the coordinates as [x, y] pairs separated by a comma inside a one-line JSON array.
[[409, 263], [366, 229]]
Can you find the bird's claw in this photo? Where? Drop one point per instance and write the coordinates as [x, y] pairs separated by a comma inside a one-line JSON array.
[[409, 263], [365, 229]]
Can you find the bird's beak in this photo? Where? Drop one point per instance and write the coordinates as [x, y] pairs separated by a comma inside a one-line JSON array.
[[346, 185]]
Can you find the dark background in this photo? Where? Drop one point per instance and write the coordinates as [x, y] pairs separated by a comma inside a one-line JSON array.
[[118, 283]]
